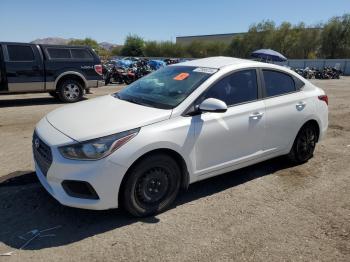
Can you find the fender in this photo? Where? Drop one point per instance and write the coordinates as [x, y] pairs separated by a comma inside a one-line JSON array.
[[313, 117], [126, 159], [70, 73]]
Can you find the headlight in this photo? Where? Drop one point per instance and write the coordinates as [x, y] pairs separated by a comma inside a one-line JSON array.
[[97, 148]]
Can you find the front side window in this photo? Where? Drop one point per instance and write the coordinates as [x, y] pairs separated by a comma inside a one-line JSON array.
[[59, 53], [165, 88], [20, 53], [239, 87], [278, 83]]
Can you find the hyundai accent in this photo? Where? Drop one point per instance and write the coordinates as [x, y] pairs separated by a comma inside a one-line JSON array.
[[183, 123]]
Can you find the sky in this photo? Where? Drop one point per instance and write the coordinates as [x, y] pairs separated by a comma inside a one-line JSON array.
[[112, 21]]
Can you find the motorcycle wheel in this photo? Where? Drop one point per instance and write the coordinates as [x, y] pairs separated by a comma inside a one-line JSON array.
[[128, 81]]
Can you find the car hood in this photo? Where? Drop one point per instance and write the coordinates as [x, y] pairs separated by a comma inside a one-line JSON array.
[[103, 116]]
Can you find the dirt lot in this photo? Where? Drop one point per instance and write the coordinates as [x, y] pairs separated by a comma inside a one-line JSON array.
[[268, 212]]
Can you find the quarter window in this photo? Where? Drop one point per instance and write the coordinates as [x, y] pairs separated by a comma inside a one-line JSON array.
[[20, 53], [278, 83], [59, 53], [240, 87], [298, 83]]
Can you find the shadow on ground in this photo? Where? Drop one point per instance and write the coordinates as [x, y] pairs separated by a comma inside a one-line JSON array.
[[25, 206], [15, 102]]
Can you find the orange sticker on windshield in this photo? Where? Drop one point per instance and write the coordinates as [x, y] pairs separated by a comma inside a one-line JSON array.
[[181, 76]]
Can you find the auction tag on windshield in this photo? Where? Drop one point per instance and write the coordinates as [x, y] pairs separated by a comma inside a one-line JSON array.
[[205, 70], [181, 76]]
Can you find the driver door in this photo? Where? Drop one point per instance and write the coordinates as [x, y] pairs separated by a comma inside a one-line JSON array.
[[24, 68], [226, 139], [3, 84]]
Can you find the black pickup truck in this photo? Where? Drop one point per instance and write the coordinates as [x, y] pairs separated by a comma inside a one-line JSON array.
[[65, 72]]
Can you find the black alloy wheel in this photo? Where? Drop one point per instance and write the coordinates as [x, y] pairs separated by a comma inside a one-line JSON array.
[[304, 144]]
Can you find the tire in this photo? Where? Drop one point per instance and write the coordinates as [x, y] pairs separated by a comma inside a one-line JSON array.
[[53, 94], [107, 78], [151, 185], [304, 144], [128, 80], [70, 91]]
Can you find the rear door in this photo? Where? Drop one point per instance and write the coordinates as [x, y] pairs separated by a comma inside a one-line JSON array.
[[286, 109], [24, 68]]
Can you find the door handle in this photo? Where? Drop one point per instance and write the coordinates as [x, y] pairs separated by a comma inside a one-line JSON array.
[[256, 115], [300, 105]]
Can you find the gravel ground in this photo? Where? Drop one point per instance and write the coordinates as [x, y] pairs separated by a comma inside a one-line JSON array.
[[268, 212]]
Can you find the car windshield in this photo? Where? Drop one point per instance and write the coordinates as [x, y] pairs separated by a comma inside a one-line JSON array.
[[167, 87]]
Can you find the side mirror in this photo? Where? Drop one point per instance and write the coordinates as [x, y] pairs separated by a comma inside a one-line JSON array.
[[213, 105]]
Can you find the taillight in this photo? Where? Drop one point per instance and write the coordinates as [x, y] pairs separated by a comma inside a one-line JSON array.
[[324, 98], [98, 69]]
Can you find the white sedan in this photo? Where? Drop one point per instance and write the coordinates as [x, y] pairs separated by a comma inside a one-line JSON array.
[[181, 124]]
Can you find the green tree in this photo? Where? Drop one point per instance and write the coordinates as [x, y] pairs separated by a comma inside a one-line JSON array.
[[335, 38], [151, 49], [237, 47], [195, 49], [93, 44], [259, 35], [307, 41], [133, 46], [215, 48], [116, 50], [87, 42], [170, 49]]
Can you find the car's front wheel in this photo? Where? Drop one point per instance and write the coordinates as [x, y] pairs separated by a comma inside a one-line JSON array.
[[151, 185], [304, 144]]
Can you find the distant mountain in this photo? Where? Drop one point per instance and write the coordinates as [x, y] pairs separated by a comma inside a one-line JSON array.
[[106, 45], [64, 41], [52, 41]]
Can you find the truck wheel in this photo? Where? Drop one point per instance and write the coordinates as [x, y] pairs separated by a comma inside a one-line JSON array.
[[151, 186], [70, 91]]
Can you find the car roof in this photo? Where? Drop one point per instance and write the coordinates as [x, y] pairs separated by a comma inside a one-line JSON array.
[[219, 62], [45, 45]]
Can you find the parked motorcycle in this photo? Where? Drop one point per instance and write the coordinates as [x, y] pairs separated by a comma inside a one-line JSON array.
[[325, 73], [114, 74]]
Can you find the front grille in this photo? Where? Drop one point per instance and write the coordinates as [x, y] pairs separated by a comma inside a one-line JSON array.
[[42, 154]]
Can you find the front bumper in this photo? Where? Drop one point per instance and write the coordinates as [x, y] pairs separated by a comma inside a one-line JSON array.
[[103, 175]]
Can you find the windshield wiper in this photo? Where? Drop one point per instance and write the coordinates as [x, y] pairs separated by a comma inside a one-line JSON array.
[[134, 101], [138, 102], [131, 100]]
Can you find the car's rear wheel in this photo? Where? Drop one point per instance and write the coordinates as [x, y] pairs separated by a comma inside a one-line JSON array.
[[304, 144], [151, 186], [70, 91]]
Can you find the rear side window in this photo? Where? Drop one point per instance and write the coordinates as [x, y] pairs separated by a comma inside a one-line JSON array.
[[21, 53], [81, 54], [278, 83], [240, 87], [59, 53]]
